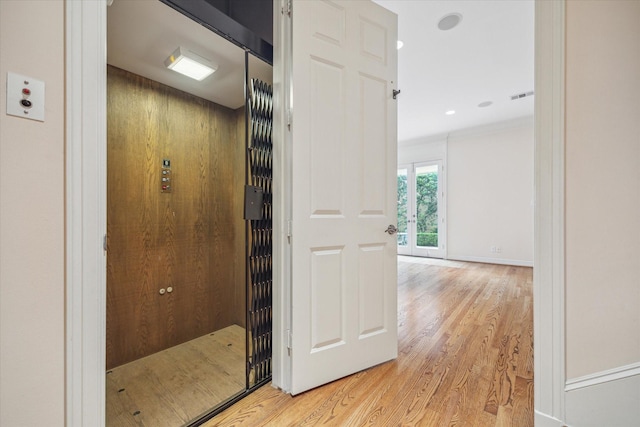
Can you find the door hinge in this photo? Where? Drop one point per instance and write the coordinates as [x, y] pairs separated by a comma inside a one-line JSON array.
[[289, 118], [104, 242], [289, 230], [287, 8], [289, 341]]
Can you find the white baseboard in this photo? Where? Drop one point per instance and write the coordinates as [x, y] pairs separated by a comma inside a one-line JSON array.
[[487, 260], [603, 377], [544, 420], [607, 399]]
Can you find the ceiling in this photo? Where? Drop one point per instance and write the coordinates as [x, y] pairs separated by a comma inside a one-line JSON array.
[[487, 57], [141, 34]]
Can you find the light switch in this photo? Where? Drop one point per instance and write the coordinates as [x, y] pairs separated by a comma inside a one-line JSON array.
[[25, 97]]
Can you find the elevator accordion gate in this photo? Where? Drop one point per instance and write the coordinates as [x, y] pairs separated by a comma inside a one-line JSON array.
[[260, 282]]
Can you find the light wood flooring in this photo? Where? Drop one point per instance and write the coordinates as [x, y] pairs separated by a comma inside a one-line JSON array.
[[177, 385], [465, 359]]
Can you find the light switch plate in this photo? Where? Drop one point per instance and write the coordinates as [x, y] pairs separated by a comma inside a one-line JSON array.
[[16, 83]]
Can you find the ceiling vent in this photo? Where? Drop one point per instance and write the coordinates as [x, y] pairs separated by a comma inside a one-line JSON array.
[[521, 95]]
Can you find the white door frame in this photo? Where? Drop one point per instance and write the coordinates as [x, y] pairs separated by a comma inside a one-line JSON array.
[[86, 197], [548, 257], [86, 213], [282, 209]]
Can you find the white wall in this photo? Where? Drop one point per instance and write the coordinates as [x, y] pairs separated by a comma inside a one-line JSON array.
[[32, 221], [602, 185], [423, 150], [489, 195], [602, 190], [490, 188]]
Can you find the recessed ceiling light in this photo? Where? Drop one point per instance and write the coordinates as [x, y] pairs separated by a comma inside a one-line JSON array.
[[449, 21], [190, 64], [400, 44], [450, 112], [485, 104]]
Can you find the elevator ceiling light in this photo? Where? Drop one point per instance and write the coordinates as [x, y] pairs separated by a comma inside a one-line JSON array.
[[450, 112], [190, 64]]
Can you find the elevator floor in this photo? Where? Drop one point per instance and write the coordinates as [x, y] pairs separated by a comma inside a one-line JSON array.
[[174, 386]]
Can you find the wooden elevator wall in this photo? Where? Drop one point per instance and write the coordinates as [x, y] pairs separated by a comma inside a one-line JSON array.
[[191, 239]]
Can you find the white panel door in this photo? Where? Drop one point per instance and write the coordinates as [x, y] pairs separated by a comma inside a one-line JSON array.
[[344, 149]]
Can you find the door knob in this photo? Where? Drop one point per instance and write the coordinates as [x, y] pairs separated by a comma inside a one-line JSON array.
[[391, 229]]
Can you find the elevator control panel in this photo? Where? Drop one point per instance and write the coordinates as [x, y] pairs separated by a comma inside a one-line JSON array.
[[166, 179], [25, 97]]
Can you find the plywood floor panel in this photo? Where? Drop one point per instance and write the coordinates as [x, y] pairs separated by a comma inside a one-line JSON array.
[[176, 385]]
